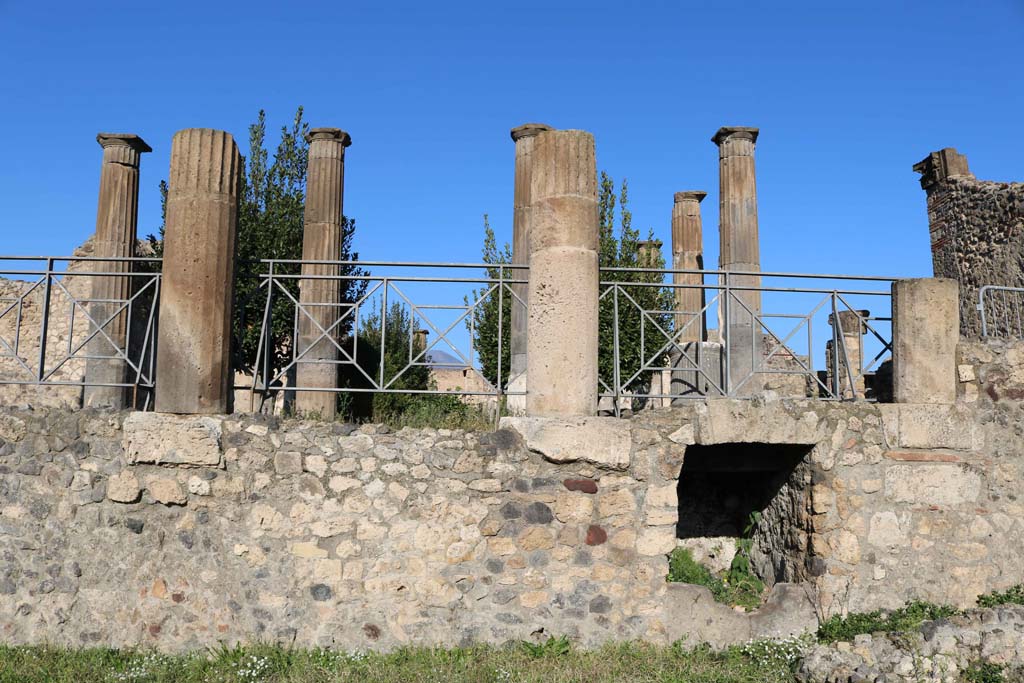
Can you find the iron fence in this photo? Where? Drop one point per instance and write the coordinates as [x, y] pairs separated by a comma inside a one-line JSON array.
[[410, 328], [773, 340], [1000, 311], [56, 323]]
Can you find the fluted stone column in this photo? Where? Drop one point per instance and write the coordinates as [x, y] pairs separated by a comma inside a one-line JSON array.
[[323, 230], [117, 216], [688, 254], [740, 251], [524, 137], [562, 325], [193, 350]]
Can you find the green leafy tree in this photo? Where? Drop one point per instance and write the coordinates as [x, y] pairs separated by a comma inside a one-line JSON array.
[[393, 350], [270, 224], [643, 317], [494, 311]]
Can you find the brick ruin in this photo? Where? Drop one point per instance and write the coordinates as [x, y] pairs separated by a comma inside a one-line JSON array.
[[977, 232]]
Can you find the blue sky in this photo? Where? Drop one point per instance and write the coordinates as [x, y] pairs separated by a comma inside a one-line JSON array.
[[848, 98]]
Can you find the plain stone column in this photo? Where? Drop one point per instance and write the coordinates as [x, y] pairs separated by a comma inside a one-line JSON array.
[[848, 359], [194, 345], [688, 254], [323, 230], [117, 218], [523, 137], [562, 322], [740, 251], [925, 333]]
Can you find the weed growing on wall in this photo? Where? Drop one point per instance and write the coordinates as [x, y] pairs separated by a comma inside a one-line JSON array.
[[906, 618], [1012, 596]]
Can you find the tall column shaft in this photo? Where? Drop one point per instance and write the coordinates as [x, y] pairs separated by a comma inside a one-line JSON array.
[[563, 299], [194, 346], [116, 225], [740, 251], [846, 359], [524, 137], [688, 254], [322, 233]]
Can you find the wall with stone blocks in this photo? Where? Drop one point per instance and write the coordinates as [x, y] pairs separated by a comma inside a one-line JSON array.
[[144, 529]]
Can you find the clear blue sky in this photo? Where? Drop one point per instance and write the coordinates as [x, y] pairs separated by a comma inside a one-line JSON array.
[[847, 100]]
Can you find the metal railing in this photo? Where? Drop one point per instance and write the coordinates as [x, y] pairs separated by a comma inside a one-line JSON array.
[[788, 316], [52, 324], [406, 325], [1000, 309]]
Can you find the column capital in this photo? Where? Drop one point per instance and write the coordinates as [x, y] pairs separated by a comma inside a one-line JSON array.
[[335, 134], [123, 140], [690, 195], [528, 130], [735, 132]]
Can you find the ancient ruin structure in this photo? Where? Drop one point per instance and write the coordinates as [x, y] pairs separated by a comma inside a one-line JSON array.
[[117, 217], [561, 342], [977, 235], [319, 294], [739, 250], [194, 349], [316, 533]]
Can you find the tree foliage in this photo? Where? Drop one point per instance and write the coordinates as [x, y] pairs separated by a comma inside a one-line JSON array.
[[494, 311], [270, 225], [643, 318]]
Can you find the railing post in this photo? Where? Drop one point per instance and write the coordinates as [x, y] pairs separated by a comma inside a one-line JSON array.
[[562, 322], [44, 326], [322, 233], [194, 373], [925, 332]]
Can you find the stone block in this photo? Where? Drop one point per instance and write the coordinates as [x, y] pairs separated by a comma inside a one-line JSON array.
[[167, 491], [124, 487], [164, 439], [932, 484], [936, 426], [925, 332], [602, 441], [739, 421]]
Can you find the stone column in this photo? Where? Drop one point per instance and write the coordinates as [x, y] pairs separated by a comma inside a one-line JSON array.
[[561, 339], [524, 137], [849, 331], [323, 229], [116, 223], [197, 291], [688, 254], [925, 333], [739, 251]]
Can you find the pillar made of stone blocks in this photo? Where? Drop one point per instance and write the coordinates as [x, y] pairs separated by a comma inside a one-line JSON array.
[[846, 360], [117, 218], [925, 333], [197, 290], [322, 234], [562, 325], [739, 251], [524, 137]]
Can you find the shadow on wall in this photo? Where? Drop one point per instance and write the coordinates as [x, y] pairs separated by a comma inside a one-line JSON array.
[[721, 487]]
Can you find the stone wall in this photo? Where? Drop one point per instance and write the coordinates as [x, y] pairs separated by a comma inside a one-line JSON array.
[[977, 233], [145, 529]]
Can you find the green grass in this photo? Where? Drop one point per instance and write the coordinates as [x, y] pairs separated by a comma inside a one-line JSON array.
[[737, 587], [906, 618], [984, 672], [1011, 596], [553, 662]]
